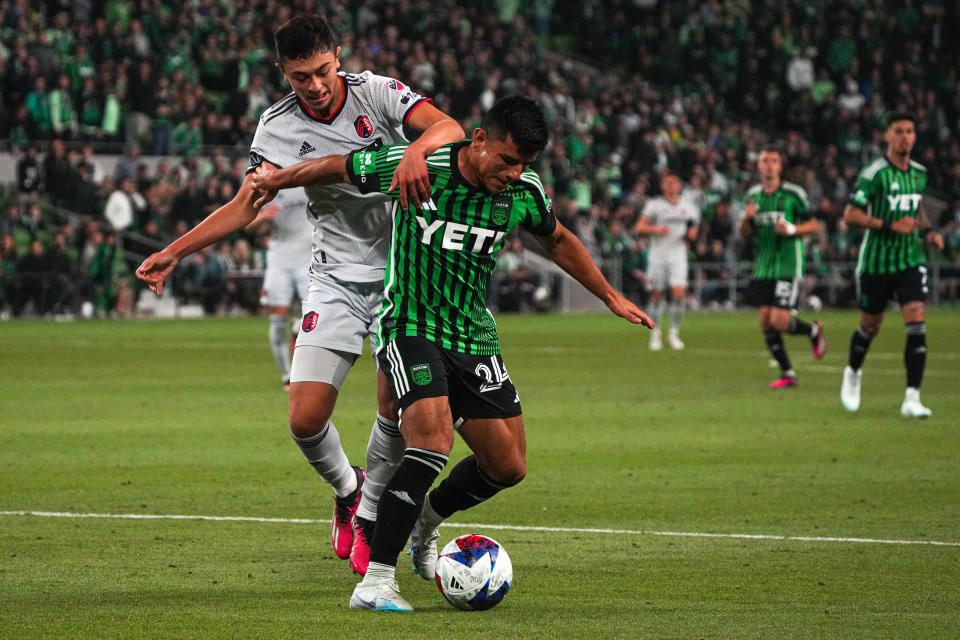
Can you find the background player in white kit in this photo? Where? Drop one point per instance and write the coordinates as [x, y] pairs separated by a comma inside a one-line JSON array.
[[285, 278], [333, 113], [671, 221]]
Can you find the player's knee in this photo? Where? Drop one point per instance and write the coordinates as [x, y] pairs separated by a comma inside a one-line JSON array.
[[508, 472], [305, 424]]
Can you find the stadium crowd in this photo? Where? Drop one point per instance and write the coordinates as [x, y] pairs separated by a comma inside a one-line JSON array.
[[630, 89]]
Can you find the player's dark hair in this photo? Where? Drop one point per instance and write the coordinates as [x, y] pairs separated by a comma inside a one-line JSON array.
[[769, 148], [896, 116], [303, 36], [519, 118]]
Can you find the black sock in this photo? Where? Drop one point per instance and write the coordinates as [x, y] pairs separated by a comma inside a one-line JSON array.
[[798, 327], [859, 344], [775, 344], [465, 487], [915, 354], [401, 502]]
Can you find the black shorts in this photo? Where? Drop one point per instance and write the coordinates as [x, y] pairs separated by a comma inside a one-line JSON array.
[[874, 291], [477, 386], [769, 292]]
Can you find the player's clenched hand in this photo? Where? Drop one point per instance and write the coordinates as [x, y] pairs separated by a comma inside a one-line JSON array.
[[412, 179], [264, 183], [750, 210], [904, 225], [629, 311], [935, 239], [155, 269]]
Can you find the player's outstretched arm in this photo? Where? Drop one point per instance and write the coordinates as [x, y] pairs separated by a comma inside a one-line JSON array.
[[268, 180], [411, 175], [233, 216], [568, 252]]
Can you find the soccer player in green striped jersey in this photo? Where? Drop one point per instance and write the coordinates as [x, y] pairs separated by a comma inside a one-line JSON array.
[[440, 346], [777, 218], [887, 204]]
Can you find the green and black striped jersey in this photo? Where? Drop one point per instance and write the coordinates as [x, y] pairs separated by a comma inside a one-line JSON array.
[[777, 256], [886, 192], [442, 254]]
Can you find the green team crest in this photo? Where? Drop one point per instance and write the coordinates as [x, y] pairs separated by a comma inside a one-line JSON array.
[[501, 210], [421, 374]]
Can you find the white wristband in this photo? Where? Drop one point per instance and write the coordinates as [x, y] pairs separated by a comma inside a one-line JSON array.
[[790, 228]]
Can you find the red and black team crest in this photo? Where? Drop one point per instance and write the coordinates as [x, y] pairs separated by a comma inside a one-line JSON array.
[[396, 85], [363, 126], [309, 322]]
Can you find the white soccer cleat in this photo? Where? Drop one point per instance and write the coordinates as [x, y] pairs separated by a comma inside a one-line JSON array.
[[379, 594], [656, 342], [911, 407], [423, 549], [675, 342], [850, 389]]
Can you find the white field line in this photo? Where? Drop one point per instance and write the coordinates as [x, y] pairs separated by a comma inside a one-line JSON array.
[[502, 527]]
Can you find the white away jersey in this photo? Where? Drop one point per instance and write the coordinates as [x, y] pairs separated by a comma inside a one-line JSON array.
[[290, 230], [677, 218], [351, 236]]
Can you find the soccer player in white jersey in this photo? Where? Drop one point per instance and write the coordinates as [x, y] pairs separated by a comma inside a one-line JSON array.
[[333, 113], [288, 257], [671, 221]]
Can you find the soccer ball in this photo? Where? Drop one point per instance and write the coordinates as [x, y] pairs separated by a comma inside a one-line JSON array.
[[474, 572], [815, 303]]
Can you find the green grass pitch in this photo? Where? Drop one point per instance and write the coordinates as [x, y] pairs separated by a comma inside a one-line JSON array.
[[188, 418]]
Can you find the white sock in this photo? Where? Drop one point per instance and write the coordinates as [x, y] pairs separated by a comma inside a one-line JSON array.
[[279, 345], [377, 572], [656, 311], [326, 456], [384, 454], [676, 316]]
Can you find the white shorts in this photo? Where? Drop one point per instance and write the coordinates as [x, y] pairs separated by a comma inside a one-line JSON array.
[[337, 316], [281, 284], [667, 273]]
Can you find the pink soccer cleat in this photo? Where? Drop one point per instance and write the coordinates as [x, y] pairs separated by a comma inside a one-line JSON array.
[[818, 342], [781, 383], [360, 551], [341, 526]]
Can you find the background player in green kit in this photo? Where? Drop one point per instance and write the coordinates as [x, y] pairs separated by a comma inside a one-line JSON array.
[[439, 342], [776, 218], [886, 202]]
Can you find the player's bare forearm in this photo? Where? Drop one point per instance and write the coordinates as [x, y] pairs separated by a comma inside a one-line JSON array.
[[808, 226], [326, 170], [411, 175], [231, 217], [854, 216], [566, 250]]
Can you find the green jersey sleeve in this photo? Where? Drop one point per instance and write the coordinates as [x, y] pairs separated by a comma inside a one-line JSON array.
[[863, 189], [540, 220], [372, 171]]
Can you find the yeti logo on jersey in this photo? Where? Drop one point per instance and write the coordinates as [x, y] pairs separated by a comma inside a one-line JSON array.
[[456, 236], [421, 374], [396, 85], [309, 322], [904, 202], [306, 148], [363, 126], [501, 210]]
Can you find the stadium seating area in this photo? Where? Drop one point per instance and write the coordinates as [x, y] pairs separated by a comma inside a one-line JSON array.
[[630, 88]]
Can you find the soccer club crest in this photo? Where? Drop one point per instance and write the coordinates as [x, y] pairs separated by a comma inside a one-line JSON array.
[[396, 85], [501, 210], [421, 374], [309, 322], [363, 126]]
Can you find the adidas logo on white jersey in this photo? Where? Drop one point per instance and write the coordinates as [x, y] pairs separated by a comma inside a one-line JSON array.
[[306, 148]]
